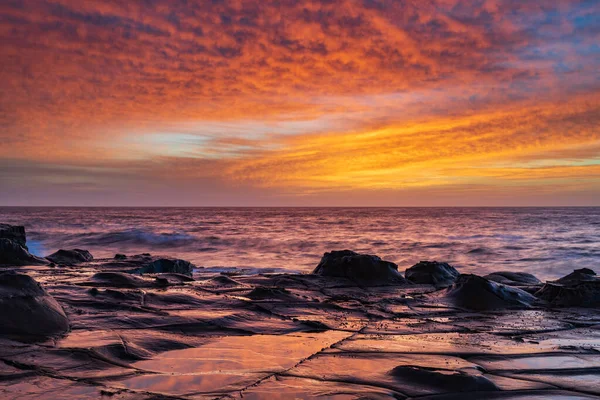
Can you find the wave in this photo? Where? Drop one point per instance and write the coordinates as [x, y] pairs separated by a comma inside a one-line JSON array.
[[136, 237]]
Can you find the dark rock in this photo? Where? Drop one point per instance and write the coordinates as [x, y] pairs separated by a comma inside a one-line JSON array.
[[14, 254], [14, 233], [476, 293], [171, 279], [27, 309], [583, 294], [447, 381], [118, 279], [119, 256], [70, 257], [364, 269], [168, 265], [578, 276], [432, 273], [581, 288], [267, 293], [513, 278]]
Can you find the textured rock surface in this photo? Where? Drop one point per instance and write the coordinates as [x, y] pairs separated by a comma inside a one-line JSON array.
[[27, 309], [362, 268], [70, 257], [432, 273]]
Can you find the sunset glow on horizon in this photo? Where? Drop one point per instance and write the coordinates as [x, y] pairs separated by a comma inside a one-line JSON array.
[[350, 102]]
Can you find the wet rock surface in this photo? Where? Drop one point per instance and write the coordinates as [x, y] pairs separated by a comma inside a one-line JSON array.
[[211, 335], [364, 269], [70, 257], [432, 273]]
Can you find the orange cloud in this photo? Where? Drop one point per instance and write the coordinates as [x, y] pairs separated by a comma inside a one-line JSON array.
[[298, 96]]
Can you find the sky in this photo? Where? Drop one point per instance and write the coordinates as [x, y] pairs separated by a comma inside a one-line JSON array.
[[300, 103]]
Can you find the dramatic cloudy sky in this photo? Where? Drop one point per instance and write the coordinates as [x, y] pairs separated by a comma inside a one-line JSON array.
[[285, 102]]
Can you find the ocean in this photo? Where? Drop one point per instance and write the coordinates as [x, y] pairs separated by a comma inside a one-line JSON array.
[[548, 242]]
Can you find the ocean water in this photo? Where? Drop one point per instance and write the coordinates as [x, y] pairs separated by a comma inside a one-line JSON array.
[[548, 242]]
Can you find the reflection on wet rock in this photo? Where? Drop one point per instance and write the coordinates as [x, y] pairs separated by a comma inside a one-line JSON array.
[[358, 335]]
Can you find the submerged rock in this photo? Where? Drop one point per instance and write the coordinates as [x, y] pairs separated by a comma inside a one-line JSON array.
[[168, 265], [513, 278], [70, 257], [476, 293], [581, 288], [15, 233], [364, 269], [27, 309], [14, 254], [432, 273]]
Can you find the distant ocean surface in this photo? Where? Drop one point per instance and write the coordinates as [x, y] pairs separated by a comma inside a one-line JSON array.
[[548, 242]]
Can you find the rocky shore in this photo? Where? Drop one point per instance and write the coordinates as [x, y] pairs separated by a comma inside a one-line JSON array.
[[155, 327]]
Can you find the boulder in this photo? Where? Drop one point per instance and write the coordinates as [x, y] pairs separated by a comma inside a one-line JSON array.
[[364, 269], [513, 278], [476, 293], [581, 288], [443, 380], [26, 309], [432, 273], [163, 265], [118, 280], [120, 256], [578, 276], [14, 233], [70, 257], [14, 254]]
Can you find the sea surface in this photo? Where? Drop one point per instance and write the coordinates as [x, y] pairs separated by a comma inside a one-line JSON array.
[[548, 242]]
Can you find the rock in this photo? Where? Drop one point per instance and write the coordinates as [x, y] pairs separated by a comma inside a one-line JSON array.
[[27, 309], [118, 280], [513, 278], [578, 276], [168, 265], [432, 273], [476, 293], [170, 279], [14, 233], [581, 288], [119, 256], [14, 254], [443, 380], [364, 269], [70, 257]]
